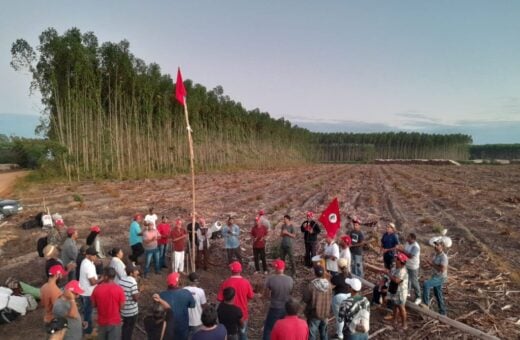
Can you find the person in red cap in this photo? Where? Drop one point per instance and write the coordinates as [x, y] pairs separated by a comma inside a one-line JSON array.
[[278, 288], [263, 220], [243, 293], [344, 250], [94, 240], [108, 298], [49, 292], [398, 289], [178, 300], [136, 239], [259, 233], [69, 251], [291, 327], [310, 230], [66, 307]]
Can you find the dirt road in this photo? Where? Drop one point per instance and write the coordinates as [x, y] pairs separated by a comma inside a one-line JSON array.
[[7, 181]]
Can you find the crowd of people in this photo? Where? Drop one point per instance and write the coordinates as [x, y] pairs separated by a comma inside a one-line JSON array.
[[80, 281]]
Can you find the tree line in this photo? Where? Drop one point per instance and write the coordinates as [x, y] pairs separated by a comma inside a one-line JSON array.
[[495, 151], [110, 114]]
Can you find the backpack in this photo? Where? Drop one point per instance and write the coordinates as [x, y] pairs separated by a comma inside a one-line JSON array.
[[40, 244], [362, 316]]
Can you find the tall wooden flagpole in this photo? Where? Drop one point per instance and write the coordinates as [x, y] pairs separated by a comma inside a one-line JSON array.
[[180, 95]]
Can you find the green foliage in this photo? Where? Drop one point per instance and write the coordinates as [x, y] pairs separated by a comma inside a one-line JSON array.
[[77, 198], [495, 151]]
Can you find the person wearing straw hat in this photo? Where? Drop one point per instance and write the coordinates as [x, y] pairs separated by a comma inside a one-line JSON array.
[[389, 243]]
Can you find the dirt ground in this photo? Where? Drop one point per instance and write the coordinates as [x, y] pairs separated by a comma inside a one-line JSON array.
[[479, 205], [7, 181]]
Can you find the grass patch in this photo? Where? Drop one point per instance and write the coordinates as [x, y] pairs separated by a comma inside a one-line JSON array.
[[77, 198]]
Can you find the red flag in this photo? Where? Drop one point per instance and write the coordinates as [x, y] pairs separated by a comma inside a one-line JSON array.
[[330, 218], [180, 90]]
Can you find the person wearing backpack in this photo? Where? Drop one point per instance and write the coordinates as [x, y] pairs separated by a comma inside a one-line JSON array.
[[355, 312], [318, 297]]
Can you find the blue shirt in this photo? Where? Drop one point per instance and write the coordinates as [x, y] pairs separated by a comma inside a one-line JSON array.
[[179, 300], [135, 230], [231, 240], [389, 241]]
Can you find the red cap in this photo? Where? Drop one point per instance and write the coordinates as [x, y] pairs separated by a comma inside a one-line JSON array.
[[173, 279], [235, 267], [401, 257], [257, 218], [95, 228], [74, 287], [347, 240], [178, 222], [71, 231], [137, 216], [261, 212], [356, 219], [57, 269], [59, 223], [279, 264], [310, 214]]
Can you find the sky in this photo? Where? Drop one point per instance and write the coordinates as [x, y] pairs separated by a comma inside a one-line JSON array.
[[362, 66]]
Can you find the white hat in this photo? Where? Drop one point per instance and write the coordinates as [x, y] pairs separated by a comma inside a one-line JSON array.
[[355, 284]]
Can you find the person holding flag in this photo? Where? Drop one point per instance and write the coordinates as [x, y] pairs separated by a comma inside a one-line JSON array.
[[310, 230]]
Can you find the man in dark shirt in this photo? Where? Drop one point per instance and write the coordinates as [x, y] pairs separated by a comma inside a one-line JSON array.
[[230, 315], [310, 230], [178, 300], [356, 249], [389, 243]]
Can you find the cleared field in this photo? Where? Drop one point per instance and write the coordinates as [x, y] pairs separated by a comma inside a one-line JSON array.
[[479, 205]]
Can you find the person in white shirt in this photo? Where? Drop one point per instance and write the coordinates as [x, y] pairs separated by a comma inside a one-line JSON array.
[[203, 236], [344, 250], [117, 263], [413, 251], [200, 301], [331, 255], [151, 218], [88, 280]]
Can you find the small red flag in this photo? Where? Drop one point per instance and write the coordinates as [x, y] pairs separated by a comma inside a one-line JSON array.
[[330, 218], [180, 90]]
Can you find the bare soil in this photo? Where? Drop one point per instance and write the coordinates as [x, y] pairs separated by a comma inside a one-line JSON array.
[[7, 181], [479, 205]]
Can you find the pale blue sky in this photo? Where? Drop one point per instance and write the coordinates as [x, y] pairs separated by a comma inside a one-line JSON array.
[[352, 65]]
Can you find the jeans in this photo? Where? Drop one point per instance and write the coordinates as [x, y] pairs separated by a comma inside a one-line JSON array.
[[162, 255], [413, 282], [137, 250], [259, 254], [242, 332], [310, 252], [436, 283], [336, 302], [287, 251], [128, 327], [317, 329], [87, 313], [233, 252], [149, 254], [388, 259], [273, 315], [357, 265], [112, 332]]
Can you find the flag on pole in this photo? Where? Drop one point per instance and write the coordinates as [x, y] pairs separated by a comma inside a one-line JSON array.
[[330, 218], [180, 90]]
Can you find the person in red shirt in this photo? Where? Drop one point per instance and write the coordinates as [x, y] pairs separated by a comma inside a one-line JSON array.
[[259, 233], [164, 231], [243, 293], [108, 298], [291, 327], [178, 237]]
